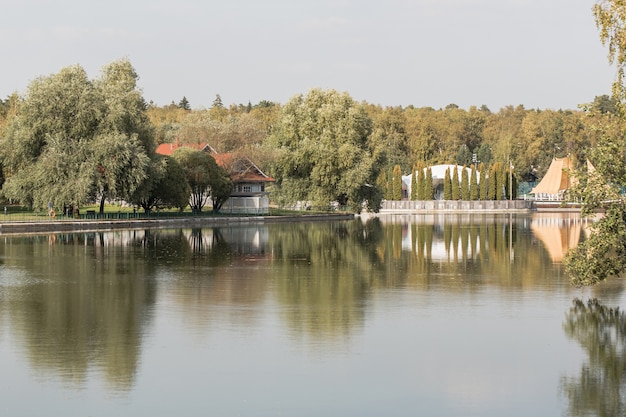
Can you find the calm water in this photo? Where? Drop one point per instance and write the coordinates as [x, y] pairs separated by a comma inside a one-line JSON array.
[[390, 316]]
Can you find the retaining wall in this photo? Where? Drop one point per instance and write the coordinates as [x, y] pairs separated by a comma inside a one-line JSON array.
[[457, 206]]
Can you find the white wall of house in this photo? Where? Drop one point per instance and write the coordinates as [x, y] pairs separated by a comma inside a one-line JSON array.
[[247, 205]]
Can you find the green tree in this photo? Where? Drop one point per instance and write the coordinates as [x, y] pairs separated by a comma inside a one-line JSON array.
[[72, 140], [483, 187], [473, 186], [429, 185], [465, 186], [165, 186], [184, 104], [205, 178], [421, 183], [492, 183], [463, 156], [397, 183], [447, 185], [413, 184], [456, 187], [322, 143]]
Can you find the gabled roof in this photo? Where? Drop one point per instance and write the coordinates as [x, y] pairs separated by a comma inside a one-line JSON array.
[[169, 148], [241, 168]]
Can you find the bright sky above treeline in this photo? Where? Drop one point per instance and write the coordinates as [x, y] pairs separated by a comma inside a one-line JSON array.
[[538, 53]]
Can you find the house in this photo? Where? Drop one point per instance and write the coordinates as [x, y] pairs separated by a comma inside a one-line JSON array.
[[249, 194]]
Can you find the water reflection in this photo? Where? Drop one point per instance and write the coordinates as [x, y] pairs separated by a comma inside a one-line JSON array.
[[600, 387], [77, 305], [82, 302]]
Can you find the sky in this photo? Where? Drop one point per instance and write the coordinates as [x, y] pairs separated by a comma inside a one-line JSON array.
[[542, 54]]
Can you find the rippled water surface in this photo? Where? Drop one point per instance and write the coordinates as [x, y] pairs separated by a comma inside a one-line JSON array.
[[400, 315]]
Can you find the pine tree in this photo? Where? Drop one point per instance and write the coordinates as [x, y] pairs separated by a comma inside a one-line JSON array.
[[447, 186], [464, 184], [473, 191], [456, 188]]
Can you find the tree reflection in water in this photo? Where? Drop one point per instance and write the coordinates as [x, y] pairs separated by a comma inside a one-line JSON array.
[[599, 390]]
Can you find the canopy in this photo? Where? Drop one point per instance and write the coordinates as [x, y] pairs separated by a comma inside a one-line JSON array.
[[557, 178]]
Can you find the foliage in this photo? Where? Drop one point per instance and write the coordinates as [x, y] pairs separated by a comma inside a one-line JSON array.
[[421, 183], [603, 254], [483, 188], [447, 185], [413, 184], [397, 183], [456, 186], [72, 140], [429, 189], [324, 155], [205, 178], [464, 184], [473, 185], [164, 187]]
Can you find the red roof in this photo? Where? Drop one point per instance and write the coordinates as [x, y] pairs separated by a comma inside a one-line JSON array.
[[169, 148], [240, 168]]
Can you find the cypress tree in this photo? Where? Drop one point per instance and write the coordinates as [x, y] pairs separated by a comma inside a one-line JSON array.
[[482, 192], [430, 192], [447, 186], [397, 183], [456, 188], [492, 183], [473, 191], [502, 182], [464, 184], [421, 181], [389, 188], [413, 184]]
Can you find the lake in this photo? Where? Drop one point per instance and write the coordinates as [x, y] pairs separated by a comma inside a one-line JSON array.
[[404, 315]]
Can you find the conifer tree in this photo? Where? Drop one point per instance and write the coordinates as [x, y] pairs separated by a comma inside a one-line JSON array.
[[492, 183], [456, 188], [447, 185], [413, 184], [397, 183], [473, 191], [430, 192], [421, 181], [502, 182], [464, 184], [483, 189]]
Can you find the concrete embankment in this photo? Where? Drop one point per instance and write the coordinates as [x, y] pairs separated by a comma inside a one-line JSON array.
[[50, 226], [460, 206]]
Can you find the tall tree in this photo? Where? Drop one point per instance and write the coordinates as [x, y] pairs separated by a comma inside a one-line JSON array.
[[447, 185], [205, 178], [322, 142], [429, 193], [473, 186], [72, 139], [421, 183], [483, 187], [465, 186], [413, 184], [397, 183], [456, 187]]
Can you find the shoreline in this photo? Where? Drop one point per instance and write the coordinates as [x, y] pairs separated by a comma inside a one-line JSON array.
[[72, 226]]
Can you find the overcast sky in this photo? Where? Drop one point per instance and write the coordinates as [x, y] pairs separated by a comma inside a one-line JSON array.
[[539, 53]]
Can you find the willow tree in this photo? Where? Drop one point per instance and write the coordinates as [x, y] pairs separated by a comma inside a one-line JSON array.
[[323, 154], [73, 140]]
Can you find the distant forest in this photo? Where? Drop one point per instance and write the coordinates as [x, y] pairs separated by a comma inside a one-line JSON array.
[[528, 138]]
